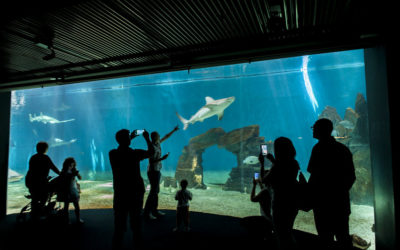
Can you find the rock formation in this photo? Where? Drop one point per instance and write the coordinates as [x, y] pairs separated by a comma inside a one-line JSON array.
[[241, 142], [353, 132], [169, 181]]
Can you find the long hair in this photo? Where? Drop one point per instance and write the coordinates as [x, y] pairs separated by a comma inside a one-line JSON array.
[[284, 149], [154, 136], [67, 163]]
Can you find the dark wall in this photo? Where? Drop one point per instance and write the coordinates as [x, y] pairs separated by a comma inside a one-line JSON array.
[[5, 102], [381, 147], [393, 55]]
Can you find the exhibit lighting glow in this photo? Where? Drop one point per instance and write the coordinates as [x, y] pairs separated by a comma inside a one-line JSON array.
[[307, 82]]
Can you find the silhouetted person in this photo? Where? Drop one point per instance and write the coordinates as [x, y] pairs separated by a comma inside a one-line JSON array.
[[183, 197], [260, 225], [332, 175], [282, 178], [36, 179], [128, 186], [70, 190], [154, 175]]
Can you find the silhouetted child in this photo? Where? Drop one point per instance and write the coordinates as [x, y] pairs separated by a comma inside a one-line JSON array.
[[70, 190], [182, 211]]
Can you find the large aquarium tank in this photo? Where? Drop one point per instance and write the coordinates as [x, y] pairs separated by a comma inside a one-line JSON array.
[[223, 113]]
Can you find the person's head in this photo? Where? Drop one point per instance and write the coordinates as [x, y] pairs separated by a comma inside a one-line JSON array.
[[42, 147], [184, 184], [123, 137], [284, 149], [322, 128], [68, 164], [155, 137]]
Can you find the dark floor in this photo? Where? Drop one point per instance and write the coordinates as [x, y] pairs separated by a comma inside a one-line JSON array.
[[208, 231]]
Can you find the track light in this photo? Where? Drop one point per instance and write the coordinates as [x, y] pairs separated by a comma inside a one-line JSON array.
[[50, 56], [44, 40]]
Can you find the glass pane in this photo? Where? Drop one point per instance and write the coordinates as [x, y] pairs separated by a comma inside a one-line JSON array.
[[224, 113]]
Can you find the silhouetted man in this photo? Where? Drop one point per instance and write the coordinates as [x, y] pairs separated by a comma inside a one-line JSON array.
[[128, 186], [36, 179], [332, 175], [154, 174]]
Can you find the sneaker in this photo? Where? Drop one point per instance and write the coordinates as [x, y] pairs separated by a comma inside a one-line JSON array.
[[159, 213], [80, 221], [151, 217], [175, 229]]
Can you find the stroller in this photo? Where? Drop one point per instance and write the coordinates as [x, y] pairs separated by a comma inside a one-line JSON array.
[[49, 209]]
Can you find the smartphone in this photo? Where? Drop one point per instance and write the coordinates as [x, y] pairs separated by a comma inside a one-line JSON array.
[[256, 176], [264, 149], [139, 131]]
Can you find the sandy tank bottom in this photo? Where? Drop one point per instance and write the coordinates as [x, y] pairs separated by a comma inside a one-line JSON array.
[[213, 200]]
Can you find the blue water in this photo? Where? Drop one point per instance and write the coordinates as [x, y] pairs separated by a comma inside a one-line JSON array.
[[283, 96]]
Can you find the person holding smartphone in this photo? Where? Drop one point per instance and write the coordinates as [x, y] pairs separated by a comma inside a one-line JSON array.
[[260, 225], [154, 175], [282, 178], [128, 185]]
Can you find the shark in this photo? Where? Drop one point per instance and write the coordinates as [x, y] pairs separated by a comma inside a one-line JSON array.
[[56, 142], [212, 107], [46, 119]]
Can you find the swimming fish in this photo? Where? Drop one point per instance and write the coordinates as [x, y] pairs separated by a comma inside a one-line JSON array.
[[251, 160], [347, 124], [46, 119], [56, 142], [62, 107], [212, 107]]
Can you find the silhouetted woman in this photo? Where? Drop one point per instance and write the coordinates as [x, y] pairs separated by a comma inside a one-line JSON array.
[[154, 175], [283, 179]]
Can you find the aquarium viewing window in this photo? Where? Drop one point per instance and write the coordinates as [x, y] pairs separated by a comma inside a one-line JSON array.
[[224, 113]]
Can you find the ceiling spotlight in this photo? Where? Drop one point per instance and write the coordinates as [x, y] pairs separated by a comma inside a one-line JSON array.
[[44, 40], [42, 45], [50, 56]]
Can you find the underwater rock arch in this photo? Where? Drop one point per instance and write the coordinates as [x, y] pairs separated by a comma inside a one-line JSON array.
[[242, 142]]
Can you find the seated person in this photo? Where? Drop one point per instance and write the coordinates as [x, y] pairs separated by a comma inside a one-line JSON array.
[[36, 179]]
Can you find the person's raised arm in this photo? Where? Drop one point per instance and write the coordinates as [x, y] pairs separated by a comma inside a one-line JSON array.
[[169, 134], [262, 169], [76, 172], [150, 148], [54, 168], [253, 192]]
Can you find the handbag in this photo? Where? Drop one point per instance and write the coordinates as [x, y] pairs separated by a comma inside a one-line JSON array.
[[303, 197]]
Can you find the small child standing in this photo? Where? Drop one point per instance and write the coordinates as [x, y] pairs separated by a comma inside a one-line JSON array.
[[70, 190], [182, 211]]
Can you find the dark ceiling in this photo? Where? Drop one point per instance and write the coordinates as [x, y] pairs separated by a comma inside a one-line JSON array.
[[72, 41]]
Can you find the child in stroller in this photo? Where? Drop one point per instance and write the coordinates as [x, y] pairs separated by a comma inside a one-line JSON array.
[[49, 208]]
